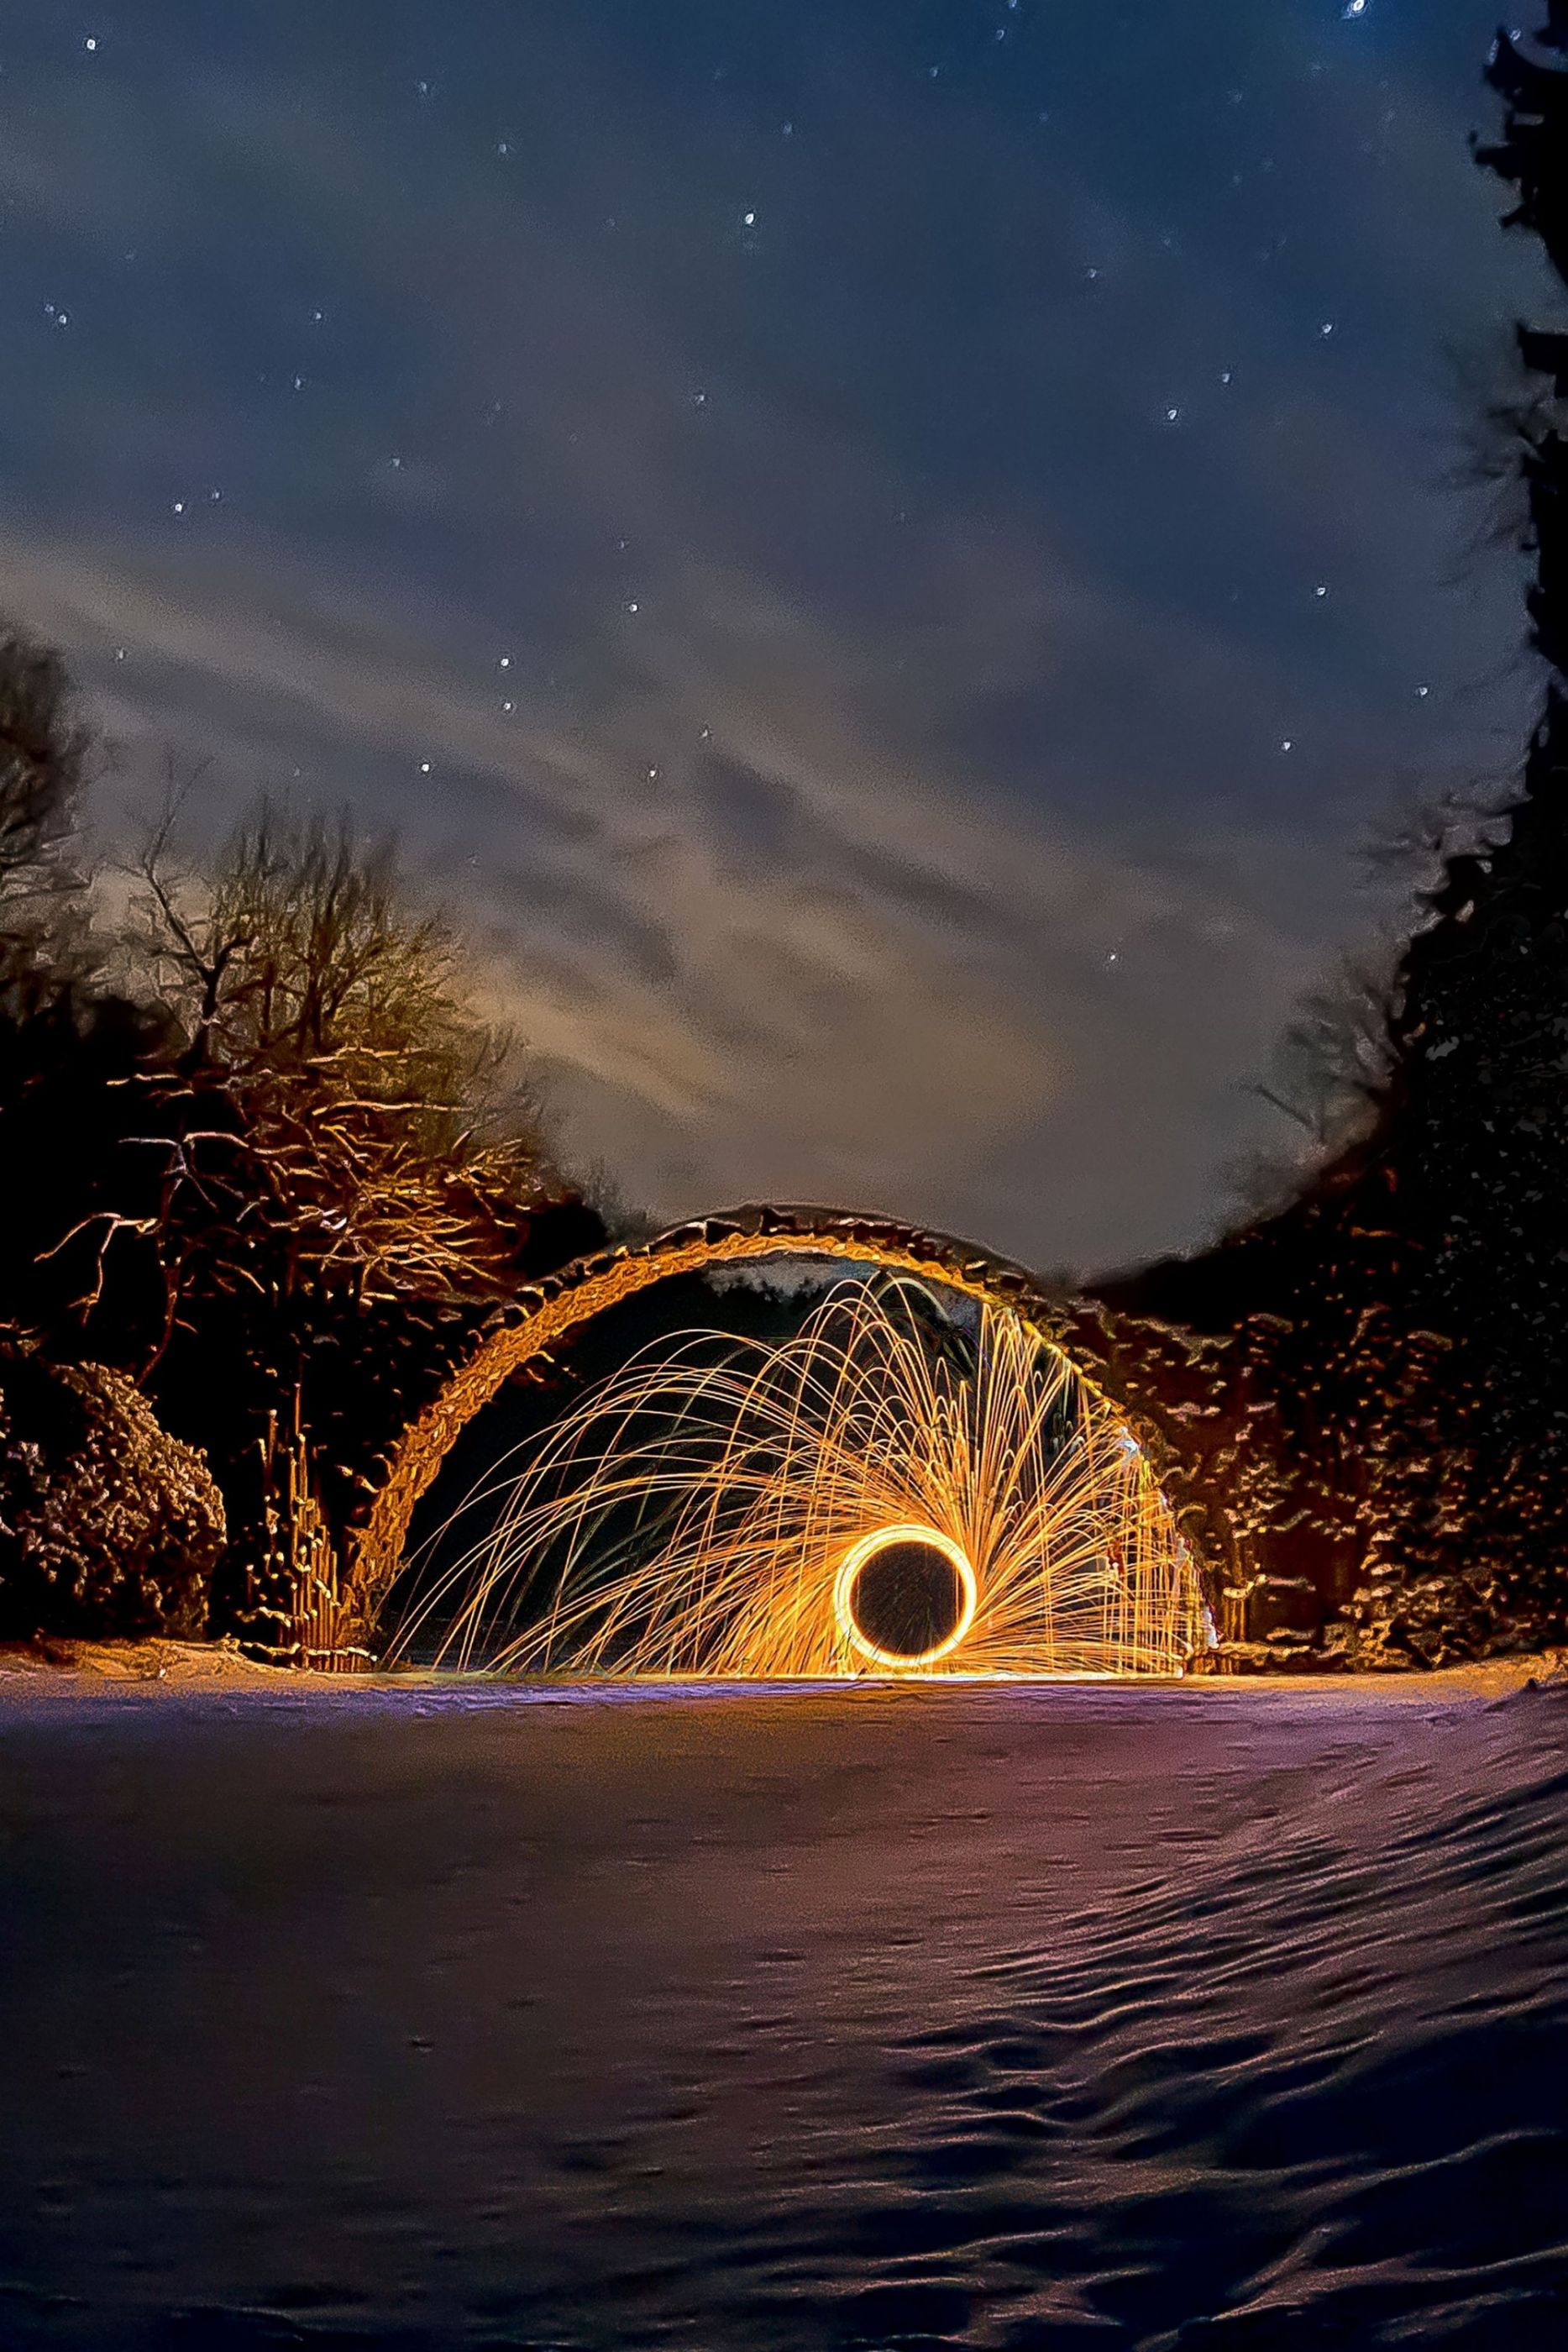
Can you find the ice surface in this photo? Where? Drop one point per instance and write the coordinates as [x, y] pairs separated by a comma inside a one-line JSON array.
[[1001, 2017]]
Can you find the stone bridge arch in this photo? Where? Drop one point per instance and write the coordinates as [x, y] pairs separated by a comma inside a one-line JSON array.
[[548, 1311]]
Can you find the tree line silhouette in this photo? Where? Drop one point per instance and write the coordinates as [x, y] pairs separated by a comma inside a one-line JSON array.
[[1368, 1386], [265, 1164]]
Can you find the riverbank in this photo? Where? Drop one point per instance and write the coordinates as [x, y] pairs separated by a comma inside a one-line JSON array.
[[51, 1671]]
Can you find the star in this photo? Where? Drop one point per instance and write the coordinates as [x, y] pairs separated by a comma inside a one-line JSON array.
[[765, 532]]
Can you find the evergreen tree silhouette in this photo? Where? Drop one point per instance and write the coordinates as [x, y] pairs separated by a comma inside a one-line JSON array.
[[1366, 1393], [1476, 1127]]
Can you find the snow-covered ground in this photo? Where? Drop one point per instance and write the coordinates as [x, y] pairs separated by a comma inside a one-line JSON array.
[[1222, 2015]]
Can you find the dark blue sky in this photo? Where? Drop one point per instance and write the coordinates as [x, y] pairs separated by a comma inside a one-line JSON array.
[[882, 553]]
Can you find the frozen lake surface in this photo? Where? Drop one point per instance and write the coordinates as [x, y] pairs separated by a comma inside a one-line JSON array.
[[1098, 2017]]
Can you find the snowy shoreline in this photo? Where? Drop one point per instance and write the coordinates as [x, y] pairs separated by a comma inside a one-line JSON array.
[[54, 1671]]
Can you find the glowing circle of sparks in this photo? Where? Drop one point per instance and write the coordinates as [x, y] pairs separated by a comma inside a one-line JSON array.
[[713, 1509], [860, 1555]]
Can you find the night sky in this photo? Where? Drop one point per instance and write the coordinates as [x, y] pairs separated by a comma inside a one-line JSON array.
[[882, 554]]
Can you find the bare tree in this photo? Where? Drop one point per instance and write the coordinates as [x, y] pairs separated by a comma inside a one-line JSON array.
[[44, 756], [1330, 1073], [355, 1120]]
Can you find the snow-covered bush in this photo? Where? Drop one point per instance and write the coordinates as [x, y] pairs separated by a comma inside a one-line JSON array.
[[108, 1525]]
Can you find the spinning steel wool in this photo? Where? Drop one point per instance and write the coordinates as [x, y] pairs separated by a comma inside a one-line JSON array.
[[884, 1492]]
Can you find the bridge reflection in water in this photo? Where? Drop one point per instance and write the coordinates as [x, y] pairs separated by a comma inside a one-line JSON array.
[[905, 1486]]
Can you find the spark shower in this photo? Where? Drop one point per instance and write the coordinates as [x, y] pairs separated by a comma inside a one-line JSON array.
[[889, 1490]]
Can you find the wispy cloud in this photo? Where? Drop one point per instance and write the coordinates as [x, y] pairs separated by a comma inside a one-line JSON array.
[[848, 722], [789, 961]]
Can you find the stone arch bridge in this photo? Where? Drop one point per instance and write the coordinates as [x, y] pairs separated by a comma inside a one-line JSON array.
[[548, 1311]]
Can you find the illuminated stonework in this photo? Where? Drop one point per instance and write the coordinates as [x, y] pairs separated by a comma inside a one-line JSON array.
[[900, 1486], [551, 1311]]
